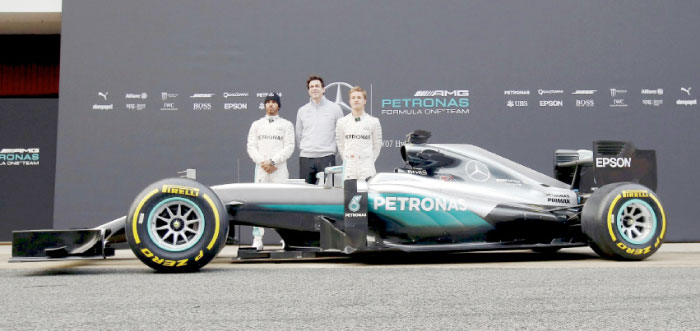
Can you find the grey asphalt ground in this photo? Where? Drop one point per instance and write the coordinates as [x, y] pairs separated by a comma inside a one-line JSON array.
[[570, 290]]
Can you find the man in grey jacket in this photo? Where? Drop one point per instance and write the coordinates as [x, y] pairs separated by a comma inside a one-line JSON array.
[[315, 131]]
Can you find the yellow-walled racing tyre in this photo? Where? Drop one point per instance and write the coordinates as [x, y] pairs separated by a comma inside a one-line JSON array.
[[624, 221], [176, 225]]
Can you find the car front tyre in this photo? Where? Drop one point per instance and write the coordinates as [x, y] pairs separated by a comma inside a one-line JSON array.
[[176, 225]]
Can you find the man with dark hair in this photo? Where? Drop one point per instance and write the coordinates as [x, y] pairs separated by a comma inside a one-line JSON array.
[[270, 144], [315, 131]]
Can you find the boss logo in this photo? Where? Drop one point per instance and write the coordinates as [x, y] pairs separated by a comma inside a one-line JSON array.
[[585, 103]]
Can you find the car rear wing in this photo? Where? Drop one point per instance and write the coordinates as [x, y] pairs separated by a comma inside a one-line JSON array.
[[608, 162]]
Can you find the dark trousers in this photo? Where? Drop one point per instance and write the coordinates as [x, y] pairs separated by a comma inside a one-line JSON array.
[[310, 166]]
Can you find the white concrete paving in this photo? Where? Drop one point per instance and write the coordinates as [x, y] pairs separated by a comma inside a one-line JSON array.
[[669, 255]]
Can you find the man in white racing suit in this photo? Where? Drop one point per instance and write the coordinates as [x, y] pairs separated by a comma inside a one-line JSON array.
[[270, 144], [359, 138]]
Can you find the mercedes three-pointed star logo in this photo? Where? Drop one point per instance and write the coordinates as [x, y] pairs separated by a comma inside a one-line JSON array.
[[477, 171], [339, 94]]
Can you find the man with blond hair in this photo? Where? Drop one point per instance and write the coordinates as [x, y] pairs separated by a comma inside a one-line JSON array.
[[359, 138]]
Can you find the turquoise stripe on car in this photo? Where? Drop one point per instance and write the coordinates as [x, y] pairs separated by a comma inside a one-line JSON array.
[[331, 210]]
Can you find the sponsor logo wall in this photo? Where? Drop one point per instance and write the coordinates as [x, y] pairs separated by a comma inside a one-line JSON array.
[[184, 95]]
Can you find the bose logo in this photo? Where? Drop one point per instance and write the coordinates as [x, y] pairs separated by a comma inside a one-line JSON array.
[[620, 162]]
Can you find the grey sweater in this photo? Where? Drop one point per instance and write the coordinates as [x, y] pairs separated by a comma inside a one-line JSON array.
[[315, 128]]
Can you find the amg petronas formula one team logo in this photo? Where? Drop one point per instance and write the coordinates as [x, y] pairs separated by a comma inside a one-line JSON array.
[[19, 156]]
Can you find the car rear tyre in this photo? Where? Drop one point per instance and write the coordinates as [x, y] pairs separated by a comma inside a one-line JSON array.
[[624, 221], [176, 225]]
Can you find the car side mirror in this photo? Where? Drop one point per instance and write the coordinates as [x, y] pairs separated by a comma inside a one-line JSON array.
[[328, 176]]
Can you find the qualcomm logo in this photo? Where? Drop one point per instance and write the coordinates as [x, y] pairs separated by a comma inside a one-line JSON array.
[[339, 94], [477, 171], [542, 92], [235, 94]]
